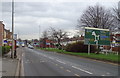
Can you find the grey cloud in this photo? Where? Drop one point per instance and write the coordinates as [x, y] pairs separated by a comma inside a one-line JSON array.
[[6, 6], [29, 15]]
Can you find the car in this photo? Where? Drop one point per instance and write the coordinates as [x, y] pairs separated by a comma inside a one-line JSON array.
[[17, 45], [30, 46], [23, 45]]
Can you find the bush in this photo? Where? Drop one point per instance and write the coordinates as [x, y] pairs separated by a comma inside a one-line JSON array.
[[80, 47], [5, 49]]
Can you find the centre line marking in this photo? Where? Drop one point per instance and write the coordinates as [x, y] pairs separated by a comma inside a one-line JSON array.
[[61, 62], [68, 70], [82, 70], [51, 58]]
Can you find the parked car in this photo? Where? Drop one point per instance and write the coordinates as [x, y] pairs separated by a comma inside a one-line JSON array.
[[30, 46]]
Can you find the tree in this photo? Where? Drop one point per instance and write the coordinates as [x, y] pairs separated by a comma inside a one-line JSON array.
[[58, 35], [116, 15], [44, 37], [97, 17]]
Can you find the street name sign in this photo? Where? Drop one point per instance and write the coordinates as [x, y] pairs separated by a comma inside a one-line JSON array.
[[15, 36], [96, 36]]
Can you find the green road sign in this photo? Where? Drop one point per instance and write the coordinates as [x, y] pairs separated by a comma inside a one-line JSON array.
[[96, 36]]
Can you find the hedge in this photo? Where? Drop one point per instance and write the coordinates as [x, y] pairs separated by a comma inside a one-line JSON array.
[[80, 47], [5, 49]]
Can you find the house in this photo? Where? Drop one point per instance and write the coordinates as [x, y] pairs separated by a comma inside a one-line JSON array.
[[8, 36], [115, 42], [1, 33], [47, 43], [5, 35]]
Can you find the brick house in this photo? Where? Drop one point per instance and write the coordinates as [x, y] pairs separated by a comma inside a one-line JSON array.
[[4, 34], [115, 42], [47, 43], [1, 33], [7, 34]]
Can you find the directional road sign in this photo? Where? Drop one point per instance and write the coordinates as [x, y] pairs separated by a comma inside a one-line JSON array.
[[96, 36]]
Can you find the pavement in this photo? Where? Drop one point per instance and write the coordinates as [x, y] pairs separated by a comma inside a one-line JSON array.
[[42, 63], [10, 67]]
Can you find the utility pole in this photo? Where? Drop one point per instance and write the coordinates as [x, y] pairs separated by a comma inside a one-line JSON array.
[[39, 36], [12, 52], [18, 34]]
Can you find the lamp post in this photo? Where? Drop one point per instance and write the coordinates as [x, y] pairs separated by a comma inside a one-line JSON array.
[[39, 36], [12, 52]]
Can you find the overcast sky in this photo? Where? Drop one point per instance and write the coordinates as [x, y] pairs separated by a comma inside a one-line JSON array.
[[30, 15]]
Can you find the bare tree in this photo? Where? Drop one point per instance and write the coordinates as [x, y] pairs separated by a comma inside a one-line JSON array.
[[96, 16], [116, 15], [45, 34], [44, 37], [58, 35]]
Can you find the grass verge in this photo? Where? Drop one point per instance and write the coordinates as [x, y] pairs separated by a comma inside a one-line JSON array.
[[110, 57]]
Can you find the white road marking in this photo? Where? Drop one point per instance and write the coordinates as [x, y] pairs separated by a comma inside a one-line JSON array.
[[51, 58], [76, 75], [60, 62], [102, 75], [68, 70], [82, 70], [42, 61]]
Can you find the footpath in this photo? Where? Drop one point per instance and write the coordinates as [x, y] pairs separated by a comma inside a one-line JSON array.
[[11, 67]]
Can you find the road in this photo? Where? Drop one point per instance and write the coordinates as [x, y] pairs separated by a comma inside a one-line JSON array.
[[42, 63]]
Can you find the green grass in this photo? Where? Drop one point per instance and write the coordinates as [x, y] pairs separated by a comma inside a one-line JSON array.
[[109, 57]]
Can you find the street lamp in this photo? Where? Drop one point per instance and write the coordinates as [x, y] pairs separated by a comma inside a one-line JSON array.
[[12, 52], [39, 36]]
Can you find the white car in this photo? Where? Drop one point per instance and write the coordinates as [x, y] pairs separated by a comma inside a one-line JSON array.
[[23, 45], [30, 46]]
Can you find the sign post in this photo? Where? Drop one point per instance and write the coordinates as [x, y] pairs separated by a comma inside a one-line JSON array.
[[15, 38], [96, 36], [88, 49]]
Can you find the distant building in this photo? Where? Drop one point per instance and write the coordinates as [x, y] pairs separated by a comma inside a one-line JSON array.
[[8, 36], [115, 41], [5, 35], [47, 43], [1, 33]]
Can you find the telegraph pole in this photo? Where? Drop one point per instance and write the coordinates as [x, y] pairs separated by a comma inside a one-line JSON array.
[[12, 52], [39, 36]]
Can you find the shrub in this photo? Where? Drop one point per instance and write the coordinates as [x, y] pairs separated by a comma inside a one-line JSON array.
[[80, 47], [5, 49]]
